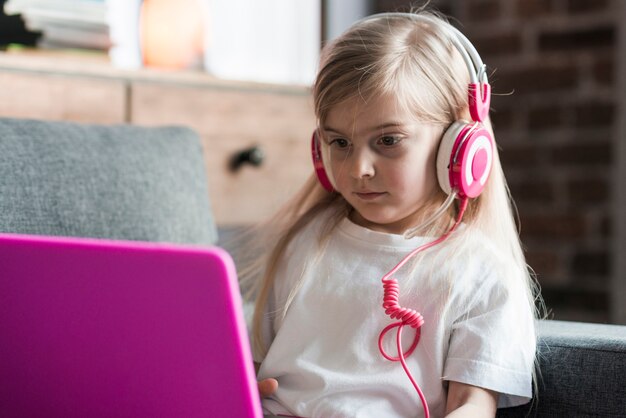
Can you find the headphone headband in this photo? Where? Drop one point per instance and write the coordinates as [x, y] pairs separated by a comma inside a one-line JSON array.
[[473, 62]]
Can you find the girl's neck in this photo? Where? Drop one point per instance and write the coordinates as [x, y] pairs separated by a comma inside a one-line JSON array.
[[400, 227]]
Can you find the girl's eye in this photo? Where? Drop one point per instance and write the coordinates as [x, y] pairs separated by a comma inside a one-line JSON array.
[[389, 141], [339, 143]]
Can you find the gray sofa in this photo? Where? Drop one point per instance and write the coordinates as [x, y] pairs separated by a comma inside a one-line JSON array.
[[117, 182], [582, 372], [126, 182]]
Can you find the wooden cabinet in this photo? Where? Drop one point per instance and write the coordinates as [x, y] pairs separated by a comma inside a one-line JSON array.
[[48, 96], [229, 116]]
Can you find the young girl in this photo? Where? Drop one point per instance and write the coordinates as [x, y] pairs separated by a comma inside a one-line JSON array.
[[396, 285]]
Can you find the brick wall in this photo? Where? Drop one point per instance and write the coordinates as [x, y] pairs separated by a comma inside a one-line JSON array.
[[554, 65]]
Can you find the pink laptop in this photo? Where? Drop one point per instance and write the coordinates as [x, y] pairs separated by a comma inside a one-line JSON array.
[[92, 328]]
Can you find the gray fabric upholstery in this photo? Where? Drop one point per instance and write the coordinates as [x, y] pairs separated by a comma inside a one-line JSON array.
[[582, 372], [116, 182]]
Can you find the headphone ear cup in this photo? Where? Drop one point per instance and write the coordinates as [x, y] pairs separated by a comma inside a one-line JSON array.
[[318, 163], [444, 154], [464, 159]]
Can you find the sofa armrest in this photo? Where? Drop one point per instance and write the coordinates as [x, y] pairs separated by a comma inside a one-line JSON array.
[[582, 372]]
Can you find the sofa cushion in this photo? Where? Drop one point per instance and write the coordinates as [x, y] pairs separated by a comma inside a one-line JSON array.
[[115, 182], [583, 372]]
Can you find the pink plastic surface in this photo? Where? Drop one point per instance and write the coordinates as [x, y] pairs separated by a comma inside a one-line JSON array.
[[93, 328], [318, 163], [478, 163], [479, 99]]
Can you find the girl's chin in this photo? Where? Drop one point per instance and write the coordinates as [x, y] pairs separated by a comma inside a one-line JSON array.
[[378, 224]]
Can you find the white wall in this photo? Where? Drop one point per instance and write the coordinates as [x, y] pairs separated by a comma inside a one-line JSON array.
[[274, 41]]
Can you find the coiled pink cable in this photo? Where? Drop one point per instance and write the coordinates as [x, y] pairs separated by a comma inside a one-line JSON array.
[[407, 316]]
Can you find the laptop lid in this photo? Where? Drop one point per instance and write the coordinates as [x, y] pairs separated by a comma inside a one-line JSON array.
[[93, 328]]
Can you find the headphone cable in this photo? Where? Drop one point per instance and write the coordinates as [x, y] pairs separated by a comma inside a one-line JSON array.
[[406, 316]]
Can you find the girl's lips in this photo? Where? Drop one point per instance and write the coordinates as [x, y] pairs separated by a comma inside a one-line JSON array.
[[368, 195]]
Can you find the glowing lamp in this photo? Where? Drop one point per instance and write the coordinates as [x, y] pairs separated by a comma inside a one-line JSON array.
[[171, 32]]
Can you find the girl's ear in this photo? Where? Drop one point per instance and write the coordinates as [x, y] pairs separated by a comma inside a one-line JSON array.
[[464, 159], [318, 162]]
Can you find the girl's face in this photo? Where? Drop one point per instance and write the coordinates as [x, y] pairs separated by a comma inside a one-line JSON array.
[[382, 161]]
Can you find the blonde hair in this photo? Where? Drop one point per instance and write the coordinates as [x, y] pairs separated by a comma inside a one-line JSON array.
[[412, 57]]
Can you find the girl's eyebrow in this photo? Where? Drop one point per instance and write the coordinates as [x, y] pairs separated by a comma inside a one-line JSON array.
[[377, 128], [329, 129], [387, 125]]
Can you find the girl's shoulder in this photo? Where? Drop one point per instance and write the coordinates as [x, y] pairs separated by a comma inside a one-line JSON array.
[[467, 244], [475, 257], [483, 249], [313, 231]]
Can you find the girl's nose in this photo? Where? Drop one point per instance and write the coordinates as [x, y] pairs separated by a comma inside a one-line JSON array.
[[362, 165]]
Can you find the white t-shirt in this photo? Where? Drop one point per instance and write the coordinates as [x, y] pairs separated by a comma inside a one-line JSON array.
[[325, 355]]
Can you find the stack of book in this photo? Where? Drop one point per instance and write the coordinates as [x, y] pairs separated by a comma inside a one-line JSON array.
[[65, 23]]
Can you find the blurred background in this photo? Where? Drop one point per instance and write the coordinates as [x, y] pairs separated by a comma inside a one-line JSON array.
[[558, 71]]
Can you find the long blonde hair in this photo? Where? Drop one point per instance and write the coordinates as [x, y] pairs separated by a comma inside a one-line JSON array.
[[412, 57]]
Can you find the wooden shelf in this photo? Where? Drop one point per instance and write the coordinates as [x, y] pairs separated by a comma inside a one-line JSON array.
[[76, 63]]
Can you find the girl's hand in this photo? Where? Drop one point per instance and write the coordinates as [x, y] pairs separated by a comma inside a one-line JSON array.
[[267, 387]]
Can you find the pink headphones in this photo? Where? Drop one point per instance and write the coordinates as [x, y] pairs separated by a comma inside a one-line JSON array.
[[465, 153]]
